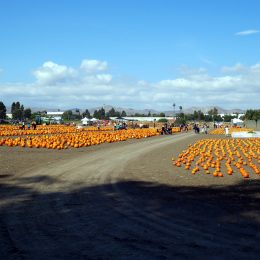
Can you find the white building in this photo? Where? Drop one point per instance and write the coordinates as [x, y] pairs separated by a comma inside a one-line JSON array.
[[143, 119], [57, 113], [10, 116]]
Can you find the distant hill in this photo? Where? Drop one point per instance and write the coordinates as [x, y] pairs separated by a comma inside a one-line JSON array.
[[132, 111], [129, 111], [205, 110], [190, 110]]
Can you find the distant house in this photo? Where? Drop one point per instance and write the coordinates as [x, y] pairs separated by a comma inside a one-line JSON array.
[[9, 116], [232, 114], [143, 119], [55, 115], [237, 122]]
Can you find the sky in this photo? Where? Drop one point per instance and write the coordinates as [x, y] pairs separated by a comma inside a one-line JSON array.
[[139, 54]]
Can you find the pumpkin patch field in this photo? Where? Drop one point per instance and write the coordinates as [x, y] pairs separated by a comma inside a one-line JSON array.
[[221, 157], [131, 193], [63, 137]]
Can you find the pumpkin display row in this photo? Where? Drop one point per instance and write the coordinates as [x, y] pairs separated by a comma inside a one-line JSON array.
[[221, 157], [43, 130], [77, 140], [221, 131]]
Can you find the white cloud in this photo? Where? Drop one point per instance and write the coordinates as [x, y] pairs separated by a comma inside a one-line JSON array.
[[92, 66], [237, 68], [255, 68], [247, 32], [51, 72], [62, 86], [104, 77]]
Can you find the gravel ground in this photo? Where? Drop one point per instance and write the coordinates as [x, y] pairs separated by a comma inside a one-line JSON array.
[[123, 201]]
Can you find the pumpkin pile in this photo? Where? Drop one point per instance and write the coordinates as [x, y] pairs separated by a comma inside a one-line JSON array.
[[221, 131], [176, 129], [6, 130], [59, 138], [221, 157]]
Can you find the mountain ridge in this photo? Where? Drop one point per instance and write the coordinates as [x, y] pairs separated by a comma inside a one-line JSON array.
[[132, 111]]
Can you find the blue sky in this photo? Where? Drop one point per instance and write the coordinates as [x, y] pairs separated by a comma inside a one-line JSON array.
[[142, 54]]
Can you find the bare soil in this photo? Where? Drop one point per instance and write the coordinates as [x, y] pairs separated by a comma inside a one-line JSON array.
[[123, 201]]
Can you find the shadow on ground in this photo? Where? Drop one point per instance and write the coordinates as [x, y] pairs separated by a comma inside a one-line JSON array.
[[135, 220]]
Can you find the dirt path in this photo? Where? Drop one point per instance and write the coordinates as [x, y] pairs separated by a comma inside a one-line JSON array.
[[125, 200]]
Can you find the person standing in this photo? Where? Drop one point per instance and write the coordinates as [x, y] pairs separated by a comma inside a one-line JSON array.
[[226, 130], [205, 128]]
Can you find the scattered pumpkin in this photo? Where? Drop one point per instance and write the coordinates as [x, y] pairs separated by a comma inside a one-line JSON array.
[[222, 156]]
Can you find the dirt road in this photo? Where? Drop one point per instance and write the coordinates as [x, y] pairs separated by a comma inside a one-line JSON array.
[[123, 201]]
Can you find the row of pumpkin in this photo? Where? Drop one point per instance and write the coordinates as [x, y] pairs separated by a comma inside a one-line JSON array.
[[221, 131], [78, 139], [221, 156], [7, 130]]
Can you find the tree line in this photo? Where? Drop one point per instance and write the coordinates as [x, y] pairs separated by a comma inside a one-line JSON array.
[[103, 115], [17, 110], [211, 116], [99, 114]]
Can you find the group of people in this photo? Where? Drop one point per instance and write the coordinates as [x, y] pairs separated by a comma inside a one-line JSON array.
[[166, 129], [184, 128], [203, 129], [29, 125], [120, 126]]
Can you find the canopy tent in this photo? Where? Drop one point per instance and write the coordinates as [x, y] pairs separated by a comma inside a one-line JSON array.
[[85, 121], [237, 121], [93, 119]]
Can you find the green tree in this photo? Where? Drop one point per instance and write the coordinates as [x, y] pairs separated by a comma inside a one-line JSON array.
[[213, 112], [27, 113], [17, 110], [201, 115], [208, 118], [180, 121], [96, 114], [13, 107], [67, 115], [162, 120], [102, 113], [2, 110], [189, 117], [253, 115], [17, 105], [123, 113], [227, 118], [217, 118], [196, 115], [86, 114], [162, 115], [111, 113]]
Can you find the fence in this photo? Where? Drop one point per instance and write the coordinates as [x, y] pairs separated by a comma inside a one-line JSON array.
[[254, 124]]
